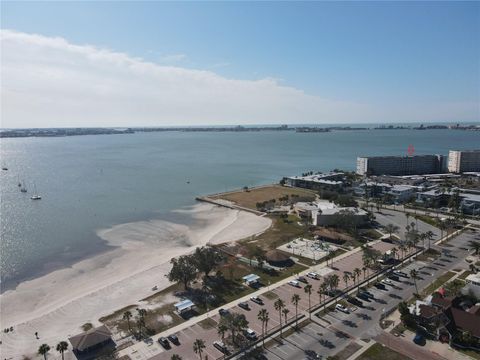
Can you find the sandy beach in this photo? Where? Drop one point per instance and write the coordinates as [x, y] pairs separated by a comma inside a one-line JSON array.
[[57, 304]]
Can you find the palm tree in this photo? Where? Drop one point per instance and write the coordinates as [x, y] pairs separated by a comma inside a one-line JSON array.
[[322, 292], [364, 269], [308, 291], [263, 317], [394, 252], [357, 272], [222, 329], [391, 229], [346, 277], [475, 246], [472, 268], [285, 312], [429, 235], [295, 301], [279, 305], [176, 357], [43, 350], [414, 276], [62, 346], [127, 315], [333, 281], [198, 347]]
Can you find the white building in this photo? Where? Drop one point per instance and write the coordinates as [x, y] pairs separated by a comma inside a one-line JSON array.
[[463, 161], [328, 213]]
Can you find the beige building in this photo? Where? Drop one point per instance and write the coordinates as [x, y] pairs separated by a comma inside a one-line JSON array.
[[463, 161]]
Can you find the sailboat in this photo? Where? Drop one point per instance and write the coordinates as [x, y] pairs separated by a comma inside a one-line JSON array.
[[35, 195], [23, 188]]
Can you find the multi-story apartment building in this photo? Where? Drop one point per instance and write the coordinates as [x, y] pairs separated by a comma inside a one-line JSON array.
[[400, 165], [463, 161]]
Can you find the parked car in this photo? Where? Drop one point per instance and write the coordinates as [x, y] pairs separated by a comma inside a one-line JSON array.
[[221, 346], [400, 273], [379, 286], [302, 279], [313, 275], [223, 312], [393, 277], [174, 339], [294, 283], [250, 334], [342, 308], [387, 282], [419, 339], [257, 300], [363, 296], [244, 305], [368, 294], [164, 342], [355, 301]]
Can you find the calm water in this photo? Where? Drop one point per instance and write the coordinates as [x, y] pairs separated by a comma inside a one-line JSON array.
[[93, 182]]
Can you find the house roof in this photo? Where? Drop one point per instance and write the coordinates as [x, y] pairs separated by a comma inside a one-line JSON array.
[[465, 321], [90, 338], [251, 278], [427, 311], [184, 305], [442, 302]]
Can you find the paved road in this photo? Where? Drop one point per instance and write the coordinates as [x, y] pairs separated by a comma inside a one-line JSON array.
[[363, 323]]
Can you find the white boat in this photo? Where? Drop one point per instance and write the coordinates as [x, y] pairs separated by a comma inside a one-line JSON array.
[[35, 195], [23, 188]]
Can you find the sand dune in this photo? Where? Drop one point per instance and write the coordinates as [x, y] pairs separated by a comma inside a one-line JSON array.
[[57, 304]]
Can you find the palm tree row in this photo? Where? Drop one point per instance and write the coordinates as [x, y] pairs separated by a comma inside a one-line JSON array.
[[62, 346]]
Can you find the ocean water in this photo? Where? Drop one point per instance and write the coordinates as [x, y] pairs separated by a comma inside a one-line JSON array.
[[89, 183]]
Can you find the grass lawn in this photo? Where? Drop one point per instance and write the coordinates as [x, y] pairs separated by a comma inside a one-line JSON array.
[[250, 198], [465, 274], [427, 219], [379, 352], [437, 283], [208, 323], [344, 354], [281, 232]]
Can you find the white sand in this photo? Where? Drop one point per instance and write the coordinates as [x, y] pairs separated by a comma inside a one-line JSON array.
[[57, 304]]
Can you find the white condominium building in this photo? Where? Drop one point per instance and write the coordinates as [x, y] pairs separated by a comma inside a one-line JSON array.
[[463, 161]]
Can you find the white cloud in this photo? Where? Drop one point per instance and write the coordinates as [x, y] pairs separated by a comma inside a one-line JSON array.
[[48, 81]]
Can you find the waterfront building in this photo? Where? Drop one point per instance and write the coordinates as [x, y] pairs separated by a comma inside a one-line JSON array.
[[328, 181], [328, 214], [463, 161], [90, 342], [400, 165]]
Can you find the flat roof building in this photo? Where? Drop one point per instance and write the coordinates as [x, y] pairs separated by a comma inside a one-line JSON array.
[[463, 161], [400, 165]]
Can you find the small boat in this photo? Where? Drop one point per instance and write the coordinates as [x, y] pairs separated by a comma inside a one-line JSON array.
[[35, 195], [23, 188], [4, 168]]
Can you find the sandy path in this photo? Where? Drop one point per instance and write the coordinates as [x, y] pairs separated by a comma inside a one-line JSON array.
[[57, 304]]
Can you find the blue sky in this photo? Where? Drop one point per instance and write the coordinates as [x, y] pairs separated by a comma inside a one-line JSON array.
[[375, 54]]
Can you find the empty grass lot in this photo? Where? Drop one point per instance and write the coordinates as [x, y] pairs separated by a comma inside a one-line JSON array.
[[380, 352]]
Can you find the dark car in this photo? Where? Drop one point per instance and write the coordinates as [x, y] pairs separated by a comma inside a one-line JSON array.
[[244, 305], [368, 294], [302, 279], [379, 286], [174, 339], [363, 296], [164, 342], [223, 312], [355, 301], [393, 277]]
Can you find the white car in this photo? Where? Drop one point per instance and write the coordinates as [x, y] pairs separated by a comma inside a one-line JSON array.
[[250, 334], [294, 283], [386, 282], [342, 308], [313, 275]]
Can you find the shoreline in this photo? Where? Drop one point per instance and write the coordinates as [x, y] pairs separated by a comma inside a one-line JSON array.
[[63, 300]]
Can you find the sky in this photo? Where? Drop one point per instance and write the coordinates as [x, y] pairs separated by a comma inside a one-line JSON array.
[[95, 63]]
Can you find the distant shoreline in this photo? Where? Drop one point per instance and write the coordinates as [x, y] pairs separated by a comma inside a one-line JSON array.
[[63, 132]]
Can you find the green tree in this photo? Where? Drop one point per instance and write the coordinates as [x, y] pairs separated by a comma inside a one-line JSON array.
[[62, 346], [43, 350], [263, 316], [206, 259], [333, 281], [475, 246], [322, 291], [279, 304], [308, 291], [414, 276], [285, 312], [357, 272], [391, 229], [198, 347], [183, 270], [346, 277], [295, 301], [127, 315]]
